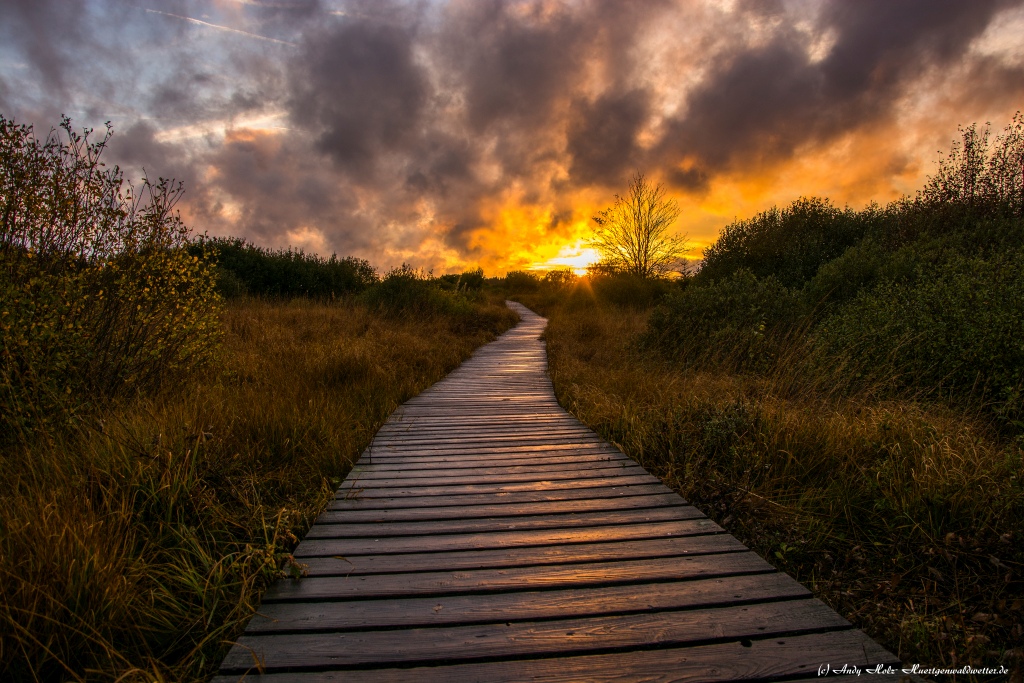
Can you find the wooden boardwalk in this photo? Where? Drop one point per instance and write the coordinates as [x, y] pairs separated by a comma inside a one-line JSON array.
[[487, 535]]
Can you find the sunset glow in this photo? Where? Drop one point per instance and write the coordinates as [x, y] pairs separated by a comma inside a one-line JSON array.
[[453, 134], [576, 257]]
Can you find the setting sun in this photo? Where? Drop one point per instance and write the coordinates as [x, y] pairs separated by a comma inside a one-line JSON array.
[[578, 257]]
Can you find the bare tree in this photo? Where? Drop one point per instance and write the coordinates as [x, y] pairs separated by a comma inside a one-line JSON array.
[[633, 236]]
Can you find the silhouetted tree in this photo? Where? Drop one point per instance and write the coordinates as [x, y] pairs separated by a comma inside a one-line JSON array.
[[633, 236]]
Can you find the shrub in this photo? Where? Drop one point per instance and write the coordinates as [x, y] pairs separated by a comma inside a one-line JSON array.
[[976, 173], [244, 268], [521, 281], [99, 295], [405, 290], [954, 330], [560, 277], [740, 321], [788, 244], [629, 291], [471, 280]]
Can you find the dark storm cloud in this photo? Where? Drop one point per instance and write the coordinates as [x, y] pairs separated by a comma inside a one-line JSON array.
[[761, 103], [371, 125], [602, 137], [881, 43], [512, 63], [512, 86], [358, 88], [281, 187], [48, 32], [139, 154]]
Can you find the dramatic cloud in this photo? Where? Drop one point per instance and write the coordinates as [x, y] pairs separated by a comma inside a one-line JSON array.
[[454, 133]]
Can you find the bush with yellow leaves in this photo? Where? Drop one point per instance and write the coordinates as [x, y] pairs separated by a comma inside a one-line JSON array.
[[98, 296]]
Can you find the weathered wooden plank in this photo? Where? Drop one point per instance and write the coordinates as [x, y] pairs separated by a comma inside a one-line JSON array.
[[492, 455], [482, 581], [577, 459], [494, 436], [493, 478], [335, 525], [781, 658], [376, 490], [485, 445], [528, 556], [354, 502], [484, 450], [498, 510], [440, 471], [555, 448], [468, 643], [292, 617], [502, 539], [494, 426]]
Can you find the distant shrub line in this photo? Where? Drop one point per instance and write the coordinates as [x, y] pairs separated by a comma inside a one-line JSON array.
[[244, 268]]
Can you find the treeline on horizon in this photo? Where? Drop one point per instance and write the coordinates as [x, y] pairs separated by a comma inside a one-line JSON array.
[[920, 297]]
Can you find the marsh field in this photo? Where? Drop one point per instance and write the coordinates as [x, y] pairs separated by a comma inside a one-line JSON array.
[[136, 545], [840, 389]]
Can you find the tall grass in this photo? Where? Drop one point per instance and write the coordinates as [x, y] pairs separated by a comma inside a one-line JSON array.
[[137, 548]]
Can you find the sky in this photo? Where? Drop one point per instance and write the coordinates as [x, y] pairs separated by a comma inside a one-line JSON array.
[[451, 135]]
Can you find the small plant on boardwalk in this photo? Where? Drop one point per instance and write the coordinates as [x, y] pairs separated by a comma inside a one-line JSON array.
[[99, 297]]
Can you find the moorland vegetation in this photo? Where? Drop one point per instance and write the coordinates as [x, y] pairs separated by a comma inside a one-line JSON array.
[[175, 411], [841, 389]]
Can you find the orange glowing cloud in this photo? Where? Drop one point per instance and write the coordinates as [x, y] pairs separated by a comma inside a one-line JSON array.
[[456, 133]]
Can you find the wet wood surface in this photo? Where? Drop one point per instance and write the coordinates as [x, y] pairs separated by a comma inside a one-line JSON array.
[[487, 535]]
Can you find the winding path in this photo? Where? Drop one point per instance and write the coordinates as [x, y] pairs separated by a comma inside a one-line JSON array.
[[487, 535]]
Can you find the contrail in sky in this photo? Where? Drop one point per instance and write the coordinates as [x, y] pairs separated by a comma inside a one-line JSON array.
[[221, 28]]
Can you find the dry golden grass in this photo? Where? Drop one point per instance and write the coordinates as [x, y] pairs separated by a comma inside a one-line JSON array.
[[907, 518], [137, 549]]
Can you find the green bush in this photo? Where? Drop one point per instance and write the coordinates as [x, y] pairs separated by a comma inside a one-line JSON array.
[[741, 321], [629, 291], [471, 280], [99, 296], [979, 174], [923, 296], [788, 244], [244, 268], [859, 269], [955, 331], [405, 290], [560, 277]]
